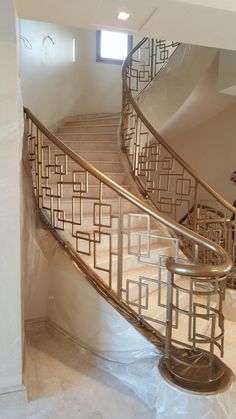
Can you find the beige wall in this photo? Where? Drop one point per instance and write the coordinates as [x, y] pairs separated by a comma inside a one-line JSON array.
[[169, 91], [210, 149], [53, 86], [227, 72], [10, 155]]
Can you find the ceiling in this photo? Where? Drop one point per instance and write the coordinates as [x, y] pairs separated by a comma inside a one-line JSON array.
[[202, 22]]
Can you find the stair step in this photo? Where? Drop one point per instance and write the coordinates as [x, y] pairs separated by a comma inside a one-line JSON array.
[[93, 190], [90, 129], [81, 124], [93, 121], [93, 157], [86, 136], [139, 223], [94, 116], [108, 206], [89, 146], [100, 156]]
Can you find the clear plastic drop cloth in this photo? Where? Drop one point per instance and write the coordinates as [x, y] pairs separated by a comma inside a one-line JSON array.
[[55, 289]]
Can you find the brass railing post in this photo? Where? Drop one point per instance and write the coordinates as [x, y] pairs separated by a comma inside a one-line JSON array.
[[39, 166], [137, 145], [120, 250], [169, 315], [152, 60]]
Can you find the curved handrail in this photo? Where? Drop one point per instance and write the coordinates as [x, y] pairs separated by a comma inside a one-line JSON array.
[[156, 135], [184, 269]]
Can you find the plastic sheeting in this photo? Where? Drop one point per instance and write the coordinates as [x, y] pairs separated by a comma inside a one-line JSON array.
[[56, 289]]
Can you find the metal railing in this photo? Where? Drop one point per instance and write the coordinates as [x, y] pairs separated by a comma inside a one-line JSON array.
[[162, 175], [115, 238]]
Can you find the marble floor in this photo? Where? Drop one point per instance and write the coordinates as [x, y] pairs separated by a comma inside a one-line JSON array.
[[62, 385]]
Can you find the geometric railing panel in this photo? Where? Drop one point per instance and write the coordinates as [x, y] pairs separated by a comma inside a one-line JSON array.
[[169, 183]]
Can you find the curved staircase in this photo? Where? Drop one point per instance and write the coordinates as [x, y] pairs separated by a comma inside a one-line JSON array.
[[131, 249]]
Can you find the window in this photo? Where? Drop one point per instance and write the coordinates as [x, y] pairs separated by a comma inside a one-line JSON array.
[[113, 47]]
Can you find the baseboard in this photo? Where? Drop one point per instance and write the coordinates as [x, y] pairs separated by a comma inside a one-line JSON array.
[[39, 322], [45, 322], [53, 327]]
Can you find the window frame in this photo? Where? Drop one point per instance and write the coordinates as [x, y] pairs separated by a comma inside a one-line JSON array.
[[100, 59]]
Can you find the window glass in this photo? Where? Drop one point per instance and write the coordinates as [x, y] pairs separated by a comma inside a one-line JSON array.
[[113, 47]]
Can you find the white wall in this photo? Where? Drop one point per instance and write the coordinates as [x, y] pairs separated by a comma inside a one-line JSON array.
[[101, 82], [53, 86], [10, 155], [50, 80]]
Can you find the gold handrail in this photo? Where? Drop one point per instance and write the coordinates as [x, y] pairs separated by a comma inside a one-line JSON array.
[[156, 135], [189, 269]]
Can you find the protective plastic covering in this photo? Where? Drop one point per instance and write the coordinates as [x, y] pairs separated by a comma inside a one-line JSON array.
[[56, 289]]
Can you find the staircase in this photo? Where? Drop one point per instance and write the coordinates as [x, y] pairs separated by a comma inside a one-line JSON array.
[[129, 248], [102, 150]]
